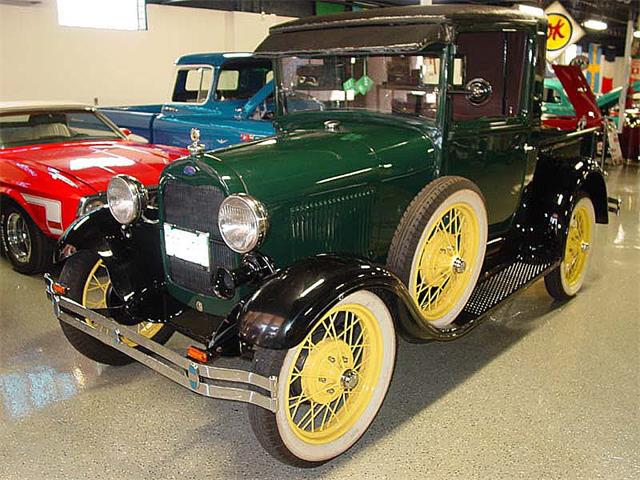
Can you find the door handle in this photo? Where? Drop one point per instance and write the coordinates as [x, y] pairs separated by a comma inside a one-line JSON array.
[[170, 109]]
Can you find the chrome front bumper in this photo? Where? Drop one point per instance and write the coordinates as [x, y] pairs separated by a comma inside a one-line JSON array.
[[196, 377]]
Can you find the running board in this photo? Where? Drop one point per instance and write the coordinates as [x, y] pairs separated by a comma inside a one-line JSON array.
[[495, 287]]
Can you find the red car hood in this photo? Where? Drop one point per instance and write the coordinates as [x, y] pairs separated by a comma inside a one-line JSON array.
[[94, 163], [579, 93]]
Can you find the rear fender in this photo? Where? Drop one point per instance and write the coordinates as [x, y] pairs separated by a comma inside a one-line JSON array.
[[287, 306], [550, 198]]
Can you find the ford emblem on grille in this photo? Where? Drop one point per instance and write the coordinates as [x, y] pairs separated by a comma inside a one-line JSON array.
[[189, 170]]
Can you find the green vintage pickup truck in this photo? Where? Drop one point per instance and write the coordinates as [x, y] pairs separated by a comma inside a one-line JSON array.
[[408, 191]]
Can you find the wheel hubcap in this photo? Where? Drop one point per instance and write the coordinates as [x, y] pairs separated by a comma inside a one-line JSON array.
[[18, 237], [349, 379], [459, 265]]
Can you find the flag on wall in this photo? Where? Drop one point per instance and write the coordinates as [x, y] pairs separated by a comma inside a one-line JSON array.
[[593, 70], [562, 30]]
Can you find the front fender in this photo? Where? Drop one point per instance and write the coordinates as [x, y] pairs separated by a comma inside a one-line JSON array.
[[132, 256], [285, 308]]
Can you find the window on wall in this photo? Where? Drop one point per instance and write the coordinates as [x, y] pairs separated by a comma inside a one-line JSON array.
[[109, 14]]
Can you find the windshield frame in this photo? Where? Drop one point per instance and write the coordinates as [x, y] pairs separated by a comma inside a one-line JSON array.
[[441, 51], [89, 110]]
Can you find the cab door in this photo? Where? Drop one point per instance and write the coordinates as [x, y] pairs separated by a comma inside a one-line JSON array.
[[487, 141]]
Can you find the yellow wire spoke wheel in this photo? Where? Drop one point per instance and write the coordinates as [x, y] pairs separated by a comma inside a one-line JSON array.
[[94, 295], [331, 385], [438, 248], [578, 244], [332, 379], [578, 247], [445, 261]]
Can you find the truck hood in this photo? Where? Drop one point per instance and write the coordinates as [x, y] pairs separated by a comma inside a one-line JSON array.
[[309, 160], [94, 163], [579, 93]]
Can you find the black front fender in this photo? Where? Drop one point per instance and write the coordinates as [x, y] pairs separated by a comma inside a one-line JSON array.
[[131, 253], [285, 308]]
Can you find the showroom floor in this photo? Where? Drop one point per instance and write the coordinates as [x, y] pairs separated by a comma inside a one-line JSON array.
[[541, 390]]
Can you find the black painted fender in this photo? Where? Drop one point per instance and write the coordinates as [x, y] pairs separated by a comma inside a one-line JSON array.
[[290, 302], [549, 201], [132, 254]]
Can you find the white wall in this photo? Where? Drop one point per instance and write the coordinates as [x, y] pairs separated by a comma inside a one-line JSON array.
[[40, 60]]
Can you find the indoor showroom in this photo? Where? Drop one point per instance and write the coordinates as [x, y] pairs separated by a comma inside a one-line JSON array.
[[253, 239]]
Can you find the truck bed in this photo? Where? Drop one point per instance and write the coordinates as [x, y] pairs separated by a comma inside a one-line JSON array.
[[139, 119]]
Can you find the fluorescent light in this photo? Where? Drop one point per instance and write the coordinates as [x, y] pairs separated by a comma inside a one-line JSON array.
[[595, 25], [237, 55], [531, 9]]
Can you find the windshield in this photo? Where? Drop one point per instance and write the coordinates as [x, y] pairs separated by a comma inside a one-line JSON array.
[[399, 84], [27, 128]]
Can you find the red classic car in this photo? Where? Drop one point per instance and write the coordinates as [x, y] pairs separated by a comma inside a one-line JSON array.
[[55, 163]]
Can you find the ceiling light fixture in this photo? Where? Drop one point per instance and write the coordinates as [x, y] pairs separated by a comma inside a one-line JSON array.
[[592, 24], [531, 9]]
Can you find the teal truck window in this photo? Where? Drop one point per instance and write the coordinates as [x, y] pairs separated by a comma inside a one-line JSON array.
[[241, 82], [192, 85], [401, 84]]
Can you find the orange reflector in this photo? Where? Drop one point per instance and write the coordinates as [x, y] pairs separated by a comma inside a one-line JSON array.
[[198, 355], [59, 289]]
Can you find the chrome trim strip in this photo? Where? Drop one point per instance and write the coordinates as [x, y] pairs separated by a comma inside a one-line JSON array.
[[181, 370]]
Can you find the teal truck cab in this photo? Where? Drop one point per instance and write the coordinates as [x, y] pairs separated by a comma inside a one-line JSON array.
[[409, 190], [226, 95]]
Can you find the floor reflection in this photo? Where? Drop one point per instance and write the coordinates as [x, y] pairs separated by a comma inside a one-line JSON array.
[[24, 391]]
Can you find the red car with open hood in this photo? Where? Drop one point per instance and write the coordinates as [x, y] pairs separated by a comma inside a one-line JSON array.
[[55, 163]]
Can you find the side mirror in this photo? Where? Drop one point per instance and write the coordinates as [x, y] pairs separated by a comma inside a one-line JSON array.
[[478, 91]]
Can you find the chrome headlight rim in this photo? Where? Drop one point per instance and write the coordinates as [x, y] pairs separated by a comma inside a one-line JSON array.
[[88, 200], [139, 197], [260, 215]]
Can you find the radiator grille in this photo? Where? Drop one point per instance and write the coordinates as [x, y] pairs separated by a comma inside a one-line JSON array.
[[195, 207]]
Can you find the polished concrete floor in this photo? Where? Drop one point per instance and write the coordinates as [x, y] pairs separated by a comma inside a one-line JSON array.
[[541, 390]]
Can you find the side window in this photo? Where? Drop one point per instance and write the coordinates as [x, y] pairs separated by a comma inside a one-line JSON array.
[[241, 82], [192, 85], [498, 58], [228, 80], [551, 96]]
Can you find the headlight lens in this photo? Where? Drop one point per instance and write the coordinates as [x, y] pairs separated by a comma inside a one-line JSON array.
[[89, 204], [127, 198], [243, 222]]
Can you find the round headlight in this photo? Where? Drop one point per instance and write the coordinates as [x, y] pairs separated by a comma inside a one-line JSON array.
[[127, 198], [243, 222]]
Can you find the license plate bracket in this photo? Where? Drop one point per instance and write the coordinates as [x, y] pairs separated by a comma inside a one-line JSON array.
[[189, 245]]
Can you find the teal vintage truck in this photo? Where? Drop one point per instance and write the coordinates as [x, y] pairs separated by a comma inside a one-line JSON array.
[[409, 189]]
